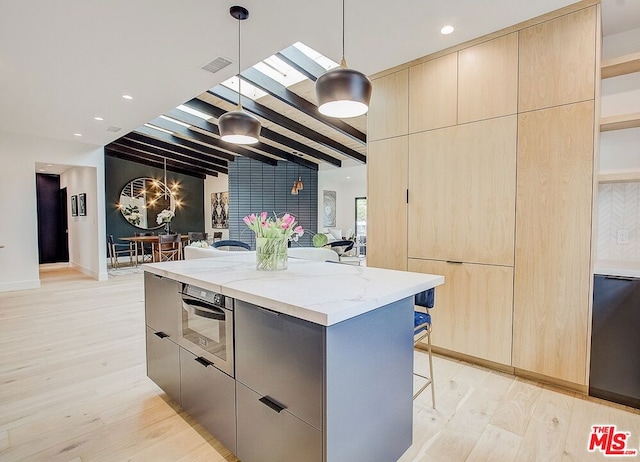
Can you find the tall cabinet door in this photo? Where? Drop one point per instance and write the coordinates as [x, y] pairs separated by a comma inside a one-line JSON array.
[[387, 203], [462, 192], [553, 241], [473, 309]]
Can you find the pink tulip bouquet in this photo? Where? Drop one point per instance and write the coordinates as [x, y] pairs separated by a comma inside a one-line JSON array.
[[272, 236], [274, 227]]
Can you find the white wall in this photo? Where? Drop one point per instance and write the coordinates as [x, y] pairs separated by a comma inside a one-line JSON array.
[[213, 184], [18, 225], [347, 189], [83, 230]]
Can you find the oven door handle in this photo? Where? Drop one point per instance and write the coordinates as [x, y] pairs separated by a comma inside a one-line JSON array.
[[199, 308]]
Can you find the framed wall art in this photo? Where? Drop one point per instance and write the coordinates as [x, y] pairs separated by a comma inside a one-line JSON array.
[[82, 204], [220, 210], [329, 208], [74, 206]]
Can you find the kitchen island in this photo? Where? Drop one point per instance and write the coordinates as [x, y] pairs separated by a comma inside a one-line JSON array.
[[323, 357]]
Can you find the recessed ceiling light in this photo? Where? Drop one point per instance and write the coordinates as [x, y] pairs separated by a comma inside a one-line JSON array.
[[98, 118], [42, 170], [348, 178], [127, 96], [446, 30], [77, 134]]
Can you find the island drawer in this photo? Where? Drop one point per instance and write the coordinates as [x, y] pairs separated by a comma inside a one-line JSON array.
[[162, 305], [281, 357], [268, 435], [209, 396], [163, 363]]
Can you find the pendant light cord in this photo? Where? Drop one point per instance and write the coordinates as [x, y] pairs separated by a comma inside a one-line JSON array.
[[343, 63], [239, 66]]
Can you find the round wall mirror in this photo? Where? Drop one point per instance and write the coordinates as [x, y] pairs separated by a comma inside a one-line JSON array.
[[142, 199]]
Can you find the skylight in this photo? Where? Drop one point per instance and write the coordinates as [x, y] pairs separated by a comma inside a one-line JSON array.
[[248, 90], [194, 112], [279, 71], [317, 57]]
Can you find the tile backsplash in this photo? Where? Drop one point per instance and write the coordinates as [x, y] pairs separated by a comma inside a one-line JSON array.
[[619, 211]]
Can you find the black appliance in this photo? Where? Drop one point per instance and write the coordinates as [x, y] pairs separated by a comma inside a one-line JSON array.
[[615, 340]]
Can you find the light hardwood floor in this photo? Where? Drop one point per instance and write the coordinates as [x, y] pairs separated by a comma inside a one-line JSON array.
[[73, 388]]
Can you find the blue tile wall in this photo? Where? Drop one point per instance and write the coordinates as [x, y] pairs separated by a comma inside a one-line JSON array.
[[254, 187]]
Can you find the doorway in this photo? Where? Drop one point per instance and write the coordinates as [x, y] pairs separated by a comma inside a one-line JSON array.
[[53, 229]]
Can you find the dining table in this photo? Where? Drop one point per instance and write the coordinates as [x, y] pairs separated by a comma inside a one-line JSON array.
[[153, 240]]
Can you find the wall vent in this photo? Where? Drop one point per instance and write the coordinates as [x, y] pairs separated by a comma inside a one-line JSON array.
[[114, 129], [217, 64]]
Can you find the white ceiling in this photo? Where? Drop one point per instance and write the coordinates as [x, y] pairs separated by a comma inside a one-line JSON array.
[[64, 62]]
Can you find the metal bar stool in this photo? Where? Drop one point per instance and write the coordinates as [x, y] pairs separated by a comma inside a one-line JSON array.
[[421, 329]]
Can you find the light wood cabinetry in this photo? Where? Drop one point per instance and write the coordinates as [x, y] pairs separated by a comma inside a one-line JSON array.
[[473, 313], [387, 203], [433, 94], [553, 241], [507, 190], [488, 79], [622, 65], [620, 122], [557, 61], [462, 192], [390, 98]]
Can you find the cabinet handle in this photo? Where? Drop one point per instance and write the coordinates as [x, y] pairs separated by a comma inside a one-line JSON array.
[[454, 262], [205, 362], [272, 404], [161, 334], [264, 310]]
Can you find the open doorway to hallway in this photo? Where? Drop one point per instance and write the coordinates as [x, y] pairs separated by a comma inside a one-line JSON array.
[[53, 235]]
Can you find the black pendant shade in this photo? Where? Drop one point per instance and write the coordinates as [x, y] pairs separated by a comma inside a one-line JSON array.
[[343, 92], [239, 127]]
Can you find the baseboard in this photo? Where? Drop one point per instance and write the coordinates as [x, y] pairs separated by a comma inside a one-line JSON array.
[[84, 270], [19, 285], [551, 382]]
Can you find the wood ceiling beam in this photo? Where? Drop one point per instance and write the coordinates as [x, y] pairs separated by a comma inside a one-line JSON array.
[[184, 131], [282, 93], [213, 129], [173, 139], [170, 147], [216, 112], [171, 163], [301, 62], [231, 96], [188, 160], [151, 163]]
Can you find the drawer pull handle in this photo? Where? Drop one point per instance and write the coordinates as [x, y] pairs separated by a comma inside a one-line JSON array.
[[205, 362], [273, 405], [454, 262], [161, 334]]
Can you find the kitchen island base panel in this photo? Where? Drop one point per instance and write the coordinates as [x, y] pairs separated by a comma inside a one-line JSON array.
[[369, 385]]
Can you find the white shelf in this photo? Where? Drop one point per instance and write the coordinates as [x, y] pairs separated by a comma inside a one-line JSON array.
[[621, 177]]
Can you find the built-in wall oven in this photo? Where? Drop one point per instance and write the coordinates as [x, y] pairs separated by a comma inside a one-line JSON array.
[[207, 327]]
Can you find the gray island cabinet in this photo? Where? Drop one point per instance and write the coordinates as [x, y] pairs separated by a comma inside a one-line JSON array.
[[325, 379]]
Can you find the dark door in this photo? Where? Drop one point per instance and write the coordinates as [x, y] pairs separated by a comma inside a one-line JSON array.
[[53, 244]]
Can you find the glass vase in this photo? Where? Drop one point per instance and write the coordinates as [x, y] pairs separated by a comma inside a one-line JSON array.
[[167, 227], [271, 253]]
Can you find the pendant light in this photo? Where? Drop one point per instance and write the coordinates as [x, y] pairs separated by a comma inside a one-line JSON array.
[[239, 127], [343, 92]]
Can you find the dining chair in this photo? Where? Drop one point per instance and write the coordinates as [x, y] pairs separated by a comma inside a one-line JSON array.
[[169, 248], [196, 236], [231, 244], [117, 249], [424, 301], [145, 251]]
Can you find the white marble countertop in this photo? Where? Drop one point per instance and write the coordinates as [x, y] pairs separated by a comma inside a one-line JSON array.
[[320, 292], [618, 268]]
